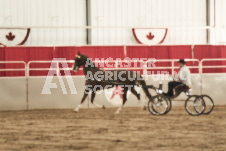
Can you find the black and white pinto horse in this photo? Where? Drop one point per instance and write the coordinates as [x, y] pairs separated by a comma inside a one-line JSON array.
[[128, 80]]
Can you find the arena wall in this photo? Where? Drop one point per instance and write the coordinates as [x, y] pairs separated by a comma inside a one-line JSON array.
[[214, 85], [49, 20], [13, 93], [17, 94], [50, 13], [151, 13], [27, 54], [66, 22], [217, 19]]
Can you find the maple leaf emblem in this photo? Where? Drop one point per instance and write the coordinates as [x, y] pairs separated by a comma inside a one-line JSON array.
[[150, 36], [10, 36]]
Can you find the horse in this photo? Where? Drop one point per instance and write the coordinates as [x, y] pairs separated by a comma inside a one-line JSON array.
[[128, 79]]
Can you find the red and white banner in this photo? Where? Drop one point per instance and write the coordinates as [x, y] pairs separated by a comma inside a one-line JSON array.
[[149, 36], [13, 37]]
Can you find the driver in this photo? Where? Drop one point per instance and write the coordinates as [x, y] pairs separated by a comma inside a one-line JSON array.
[[184, 77]]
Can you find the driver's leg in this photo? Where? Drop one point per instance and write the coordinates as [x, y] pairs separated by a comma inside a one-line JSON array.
[[171, 85]]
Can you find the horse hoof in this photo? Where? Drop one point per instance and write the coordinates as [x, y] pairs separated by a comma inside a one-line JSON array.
[[117, 112], [76, 111], [103, 107], [144, 108]]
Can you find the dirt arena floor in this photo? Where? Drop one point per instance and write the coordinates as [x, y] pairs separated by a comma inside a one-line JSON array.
[[97, 129]]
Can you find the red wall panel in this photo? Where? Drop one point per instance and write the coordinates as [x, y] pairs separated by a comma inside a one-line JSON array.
[[183, 52], [68, 53], [208, 51], [90, 51], [40, 53], [2, 58], [15, 54], [103, 51], [26, 54], [158, 52], [152, 52]]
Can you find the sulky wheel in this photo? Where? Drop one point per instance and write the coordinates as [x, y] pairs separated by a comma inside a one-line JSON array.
[[195, 105], [169, 105], [158, 105], [209, 104]]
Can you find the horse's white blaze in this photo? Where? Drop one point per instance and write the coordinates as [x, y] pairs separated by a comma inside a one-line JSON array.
[[77, 56]]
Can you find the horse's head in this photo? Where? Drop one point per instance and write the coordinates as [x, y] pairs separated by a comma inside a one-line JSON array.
[[79, 61]]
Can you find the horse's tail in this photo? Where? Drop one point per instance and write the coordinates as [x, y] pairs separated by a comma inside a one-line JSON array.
[[144, 87]]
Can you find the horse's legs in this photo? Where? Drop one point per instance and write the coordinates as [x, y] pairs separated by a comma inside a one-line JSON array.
[[135, 93], [138, 97], [124, 100], [94, 103], [83, 99], [148, 95]]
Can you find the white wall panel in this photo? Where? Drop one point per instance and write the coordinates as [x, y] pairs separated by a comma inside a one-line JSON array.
[[47, 13], [218, 18], [152, 13], [13, 93]]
